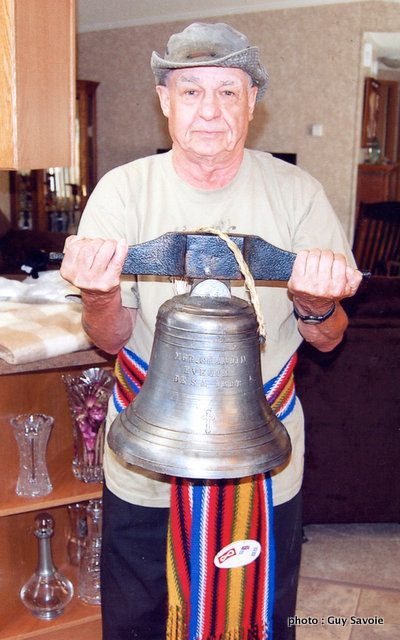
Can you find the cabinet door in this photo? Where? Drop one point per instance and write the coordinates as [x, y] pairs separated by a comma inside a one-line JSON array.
[[52, 199], [376, 183], [37, 79]]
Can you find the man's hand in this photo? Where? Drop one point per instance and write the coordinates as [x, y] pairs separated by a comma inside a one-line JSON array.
[[93, 264], [319, 280]]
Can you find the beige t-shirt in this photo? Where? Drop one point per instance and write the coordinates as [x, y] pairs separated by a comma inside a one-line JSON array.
[[269, 198]]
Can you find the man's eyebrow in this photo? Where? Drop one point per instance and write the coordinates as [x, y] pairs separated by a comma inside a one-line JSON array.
[[188, 79], [196, 79], [229, 83]]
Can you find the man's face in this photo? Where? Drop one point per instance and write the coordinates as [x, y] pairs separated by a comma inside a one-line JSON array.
[[208, 109]]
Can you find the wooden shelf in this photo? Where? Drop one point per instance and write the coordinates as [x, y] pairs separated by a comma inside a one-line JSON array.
[[383, 169], [77, 617], [25, 625], [39, 388], [66, 488], [49, 396], [79, 359]]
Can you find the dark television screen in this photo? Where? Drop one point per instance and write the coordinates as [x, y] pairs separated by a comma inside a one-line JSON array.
[[287, 157]]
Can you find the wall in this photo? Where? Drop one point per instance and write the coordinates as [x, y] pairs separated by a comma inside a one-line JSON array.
[[313, 56]]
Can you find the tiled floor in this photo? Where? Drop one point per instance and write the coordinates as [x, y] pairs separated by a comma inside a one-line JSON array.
[[350, 583]]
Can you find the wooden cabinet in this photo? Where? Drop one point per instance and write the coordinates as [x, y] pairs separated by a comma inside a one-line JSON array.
[[87, 138], [39, 388], [53, 198], [37, 83], [377, 182]]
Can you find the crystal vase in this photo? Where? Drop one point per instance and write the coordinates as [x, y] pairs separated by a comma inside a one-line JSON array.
[[88, 397], [89, 568], [77, 531], [47, 592], [32, 432]]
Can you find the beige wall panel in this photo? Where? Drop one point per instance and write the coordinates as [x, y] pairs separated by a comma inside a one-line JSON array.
[[313, 56]]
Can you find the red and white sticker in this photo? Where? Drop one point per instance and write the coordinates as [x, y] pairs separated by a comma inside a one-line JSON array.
[[237, 554]]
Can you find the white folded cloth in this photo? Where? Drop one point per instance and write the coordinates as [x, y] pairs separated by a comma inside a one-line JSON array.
[[30, 332], [48, 287]]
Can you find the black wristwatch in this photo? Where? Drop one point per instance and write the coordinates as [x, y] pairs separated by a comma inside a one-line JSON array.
[[314, 319]]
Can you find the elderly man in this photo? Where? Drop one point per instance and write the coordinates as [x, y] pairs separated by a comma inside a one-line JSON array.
[[208, 83]]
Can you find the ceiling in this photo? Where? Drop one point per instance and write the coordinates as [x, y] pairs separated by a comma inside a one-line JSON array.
[[97, 15]]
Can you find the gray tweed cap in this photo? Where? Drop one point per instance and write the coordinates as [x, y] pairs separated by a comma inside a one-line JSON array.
[[210, 45]]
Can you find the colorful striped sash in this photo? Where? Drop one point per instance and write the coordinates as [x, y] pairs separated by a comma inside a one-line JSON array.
[[213, 594]]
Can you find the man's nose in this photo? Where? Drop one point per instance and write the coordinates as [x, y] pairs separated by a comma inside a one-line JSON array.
[[209, 106]]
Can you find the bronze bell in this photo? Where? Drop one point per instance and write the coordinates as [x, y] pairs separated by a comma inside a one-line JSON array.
[[202, 412]]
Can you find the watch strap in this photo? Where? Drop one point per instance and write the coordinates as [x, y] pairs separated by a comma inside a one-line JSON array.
[[314, 319]]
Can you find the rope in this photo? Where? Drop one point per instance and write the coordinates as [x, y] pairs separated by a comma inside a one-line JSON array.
[[248, 278]]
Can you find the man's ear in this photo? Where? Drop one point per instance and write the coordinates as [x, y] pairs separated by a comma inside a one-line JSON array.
[[252, 101], [163, 95]]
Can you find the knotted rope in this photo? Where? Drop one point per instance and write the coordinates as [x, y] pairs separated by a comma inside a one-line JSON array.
[[248, 278]]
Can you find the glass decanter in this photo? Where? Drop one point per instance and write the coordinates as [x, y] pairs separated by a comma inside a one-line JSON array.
[[47, 592], [32, 432], [89, 568], [77, 532]]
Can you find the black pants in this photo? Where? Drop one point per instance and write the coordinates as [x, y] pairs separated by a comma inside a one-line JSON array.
[[133, 580]]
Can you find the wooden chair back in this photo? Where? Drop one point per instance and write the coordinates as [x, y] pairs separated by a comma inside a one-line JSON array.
[[376, 245]]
